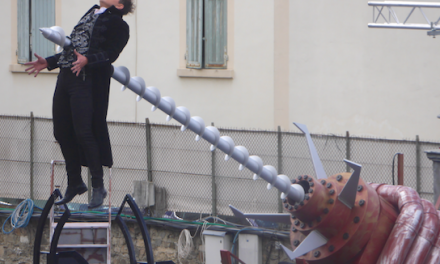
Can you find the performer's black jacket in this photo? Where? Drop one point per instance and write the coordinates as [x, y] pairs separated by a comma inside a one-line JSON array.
[[109, 36]]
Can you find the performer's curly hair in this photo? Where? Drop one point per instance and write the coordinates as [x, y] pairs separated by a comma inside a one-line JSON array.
[[128, 6]]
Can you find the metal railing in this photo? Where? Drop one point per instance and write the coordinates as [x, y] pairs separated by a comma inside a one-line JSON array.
[[413, 15]]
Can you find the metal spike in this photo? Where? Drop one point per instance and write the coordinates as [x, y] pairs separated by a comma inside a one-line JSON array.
[[313, 241], [319, 169], [348, 193], [277, 218]]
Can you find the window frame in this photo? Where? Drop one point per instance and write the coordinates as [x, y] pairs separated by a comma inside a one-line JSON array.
[[188, 73], [215, 46], [32, 15], [206, 34]]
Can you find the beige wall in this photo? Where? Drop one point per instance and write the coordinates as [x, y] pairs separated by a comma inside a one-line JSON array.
[[22, 93], [281, 63], [246, 100], [340, 75], [346, 76]]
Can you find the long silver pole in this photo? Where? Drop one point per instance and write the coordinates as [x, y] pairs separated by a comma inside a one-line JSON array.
[[295, 192]]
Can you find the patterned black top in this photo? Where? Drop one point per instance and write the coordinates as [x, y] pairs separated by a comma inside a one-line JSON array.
[[80, 38]]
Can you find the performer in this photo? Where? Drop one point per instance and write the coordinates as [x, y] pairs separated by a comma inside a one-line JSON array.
[[80, 101]]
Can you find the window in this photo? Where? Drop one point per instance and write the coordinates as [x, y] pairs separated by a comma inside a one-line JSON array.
[[32, 15], [206, 34]]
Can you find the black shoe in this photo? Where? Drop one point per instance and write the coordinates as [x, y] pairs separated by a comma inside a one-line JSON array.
[[71, 192], [98, 197]]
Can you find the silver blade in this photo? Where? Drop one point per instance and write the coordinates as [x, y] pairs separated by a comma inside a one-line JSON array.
[[319, 169], [277, 218], [313, 241], [348, 193]]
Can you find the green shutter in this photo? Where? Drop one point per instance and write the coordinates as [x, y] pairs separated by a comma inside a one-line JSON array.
[[23, 31], [42, 15], [215, 34], [194, 31]]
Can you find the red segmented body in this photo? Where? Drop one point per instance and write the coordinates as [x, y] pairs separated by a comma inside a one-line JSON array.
[[391, 224]]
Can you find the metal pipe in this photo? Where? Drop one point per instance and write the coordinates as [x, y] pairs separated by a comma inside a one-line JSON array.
[[392, 12], [424, 15], [418, 164], [89, 183], [31, 160], [149, 154], [400, 169], [410, 13], [380, 15], [109, 229], [52, 189], [405, 4], [280, 163], [403, 26], [213, 183]]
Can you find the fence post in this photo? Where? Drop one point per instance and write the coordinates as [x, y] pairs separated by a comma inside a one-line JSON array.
[[148, 141], [280, 166], [418, 164], [89, 183], [32, 156], [213, 184], [347, 150], [400, 169]]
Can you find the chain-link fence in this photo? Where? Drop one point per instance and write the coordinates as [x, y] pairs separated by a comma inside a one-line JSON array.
[[195, 179]]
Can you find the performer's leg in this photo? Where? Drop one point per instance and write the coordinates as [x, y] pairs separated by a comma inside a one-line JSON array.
[[64, 132], [65, 135], [81, 104]]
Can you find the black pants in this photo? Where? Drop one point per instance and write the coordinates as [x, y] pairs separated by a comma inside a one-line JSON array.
[[72, 120]]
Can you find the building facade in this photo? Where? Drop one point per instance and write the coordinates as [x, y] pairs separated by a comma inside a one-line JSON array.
[[249, 64]]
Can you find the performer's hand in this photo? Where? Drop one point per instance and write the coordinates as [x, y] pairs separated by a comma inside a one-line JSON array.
[[79, 63], [36, 66]]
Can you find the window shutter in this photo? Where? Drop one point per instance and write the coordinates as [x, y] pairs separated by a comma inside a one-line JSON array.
[[23, 31], [194, 31], [215, 34], [42, 15]]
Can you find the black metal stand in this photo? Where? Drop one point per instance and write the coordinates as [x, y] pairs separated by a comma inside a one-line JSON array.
[[41, 222], [72, 257], [66, 257], [145, 235]]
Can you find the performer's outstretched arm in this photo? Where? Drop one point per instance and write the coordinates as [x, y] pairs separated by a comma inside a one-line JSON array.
[[36, 66]]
